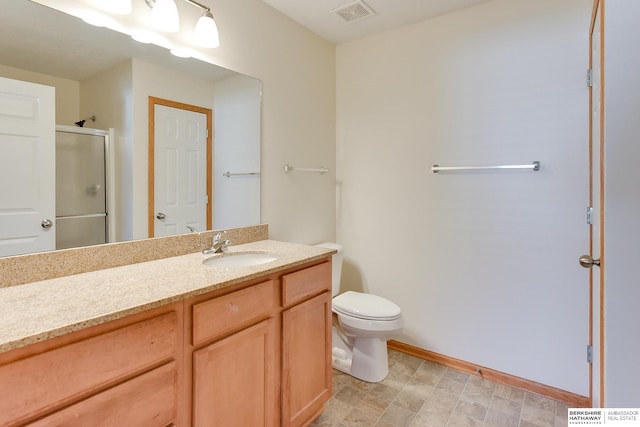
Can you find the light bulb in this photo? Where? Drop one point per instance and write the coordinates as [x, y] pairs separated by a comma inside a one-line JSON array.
[[164, 16], [206, 32]]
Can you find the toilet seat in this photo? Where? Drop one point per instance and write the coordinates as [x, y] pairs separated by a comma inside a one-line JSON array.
[[365, 306]]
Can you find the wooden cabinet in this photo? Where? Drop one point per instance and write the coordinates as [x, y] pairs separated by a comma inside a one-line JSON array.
[[306, 367], [252, 354], [146, 400], [306, 345], [219, 316], [262, 355], [234, 358], [234, 379], [96, 376]]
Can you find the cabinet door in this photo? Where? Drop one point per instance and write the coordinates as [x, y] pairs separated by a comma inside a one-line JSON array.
[[234, 379], [63, 375], [148, 400], [306, 352], [232, 312]]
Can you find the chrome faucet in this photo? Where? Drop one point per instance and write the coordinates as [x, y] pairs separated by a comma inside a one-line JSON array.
[[219, 245]]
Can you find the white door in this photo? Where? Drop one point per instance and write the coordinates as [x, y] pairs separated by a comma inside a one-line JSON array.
[[595, 188], [180, 171], [27, 167]]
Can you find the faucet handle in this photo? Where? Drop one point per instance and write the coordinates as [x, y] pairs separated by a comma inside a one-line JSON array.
[[218, 236]]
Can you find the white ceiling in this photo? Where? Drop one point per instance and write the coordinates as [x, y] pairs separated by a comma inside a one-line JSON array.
[[389, 14]]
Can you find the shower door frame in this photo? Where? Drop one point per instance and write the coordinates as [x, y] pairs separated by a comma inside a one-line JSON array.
[[110, 201]]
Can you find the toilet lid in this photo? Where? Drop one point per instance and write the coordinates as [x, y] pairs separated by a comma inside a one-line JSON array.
[[365, 306]]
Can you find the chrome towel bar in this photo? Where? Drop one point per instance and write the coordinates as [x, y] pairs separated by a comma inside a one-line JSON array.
[[321, 170], [535, 166], [229, 174]]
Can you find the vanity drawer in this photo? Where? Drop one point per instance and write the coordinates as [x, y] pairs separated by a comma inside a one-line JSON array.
[[148, 400], [57, 377], [223, 314], [306, 283]]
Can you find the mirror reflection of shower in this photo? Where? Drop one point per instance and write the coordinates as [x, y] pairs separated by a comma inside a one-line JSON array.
[[82, 187], [80, 123]]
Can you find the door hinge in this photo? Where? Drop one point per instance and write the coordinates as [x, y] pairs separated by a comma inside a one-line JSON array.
[[589, 77], [589, 353], [206, 133], [589, 215], [206, 199]]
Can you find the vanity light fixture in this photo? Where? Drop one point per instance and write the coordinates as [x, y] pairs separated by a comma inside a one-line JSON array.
[[164, 16], [206, 32]]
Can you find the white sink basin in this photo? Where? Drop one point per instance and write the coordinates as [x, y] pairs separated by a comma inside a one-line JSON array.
[[239, 259]]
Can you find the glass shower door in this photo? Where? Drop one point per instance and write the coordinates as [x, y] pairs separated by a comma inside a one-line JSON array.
[[80, 190]]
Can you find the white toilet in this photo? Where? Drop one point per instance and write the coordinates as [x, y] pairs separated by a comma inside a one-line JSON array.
[[365, 323]]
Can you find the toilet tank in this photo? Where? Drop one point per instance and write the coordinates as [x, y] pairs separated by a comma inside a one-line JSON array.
[[336, 265]]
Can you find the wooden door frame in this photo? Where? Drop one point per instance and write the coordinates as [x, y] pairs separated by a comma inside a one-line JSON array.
[[597, 142], [153, 101]]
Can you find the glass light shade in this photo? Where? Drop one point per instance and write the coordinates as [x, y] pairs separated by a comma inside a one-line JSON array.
[[164, 16], [206, 32]]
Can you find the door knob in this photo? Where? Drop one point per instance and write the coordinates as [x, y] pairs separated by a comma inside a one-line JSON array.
[[161, 215], [46, 224], [587, 261]]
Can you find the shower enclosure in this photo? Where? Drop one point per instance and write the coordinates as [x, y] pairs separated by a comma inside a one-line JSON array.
[[81, 187]]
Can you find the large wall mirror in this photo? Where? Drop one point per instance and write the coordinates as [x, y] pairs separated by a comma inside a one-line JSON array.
[[105, 80]]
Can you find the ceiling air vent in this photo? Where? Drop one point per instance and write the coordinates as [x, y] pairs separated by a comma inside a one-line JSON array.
[[354, 11]]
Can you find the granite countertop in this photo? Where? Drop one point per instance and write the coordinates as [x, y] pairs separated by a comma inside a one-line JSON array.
[[40, 310]]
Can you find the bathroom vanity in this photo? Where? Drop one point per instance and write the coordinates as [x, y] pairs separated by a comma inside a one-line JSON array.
[[171, 342]]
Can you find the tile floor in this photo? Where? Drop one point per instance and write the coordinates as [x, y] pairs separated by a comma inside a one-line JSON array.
[[418, 393]]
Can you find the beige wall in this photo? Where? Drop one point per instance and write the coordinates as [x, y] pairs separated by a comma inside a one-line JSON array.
[[67, 92], [108, 96], [236, 150], [483, 264], [297, 70]]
